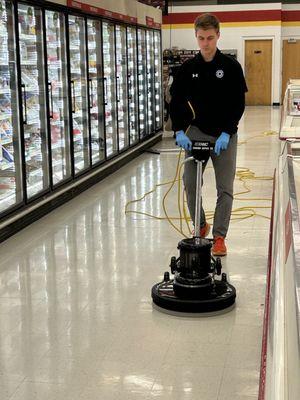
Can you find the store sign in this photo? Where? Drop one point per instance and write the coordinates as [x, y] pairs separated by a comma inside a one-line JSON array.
[[288, 231], [150, 22], [75, 4], [101, 11]]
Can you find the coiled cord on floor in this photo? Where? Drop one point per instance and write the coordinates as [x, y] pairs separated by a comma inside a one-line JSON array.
[[242, 174]]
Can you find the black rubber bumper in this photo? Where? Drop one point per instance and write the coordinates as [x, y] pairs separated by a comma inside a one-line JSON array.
[[223, 297]]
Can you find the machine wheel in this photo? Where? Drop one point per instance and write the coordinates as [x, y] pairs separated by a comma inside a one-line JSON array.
[[218, 266], [224, 277]]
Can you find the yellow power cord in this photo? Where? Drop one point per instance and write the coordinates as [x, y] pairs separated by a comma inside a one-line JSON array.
[[241, 213]]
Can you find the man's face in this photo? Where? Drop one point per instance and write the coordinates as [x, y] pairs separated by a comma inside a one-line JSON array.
[[207, 41]]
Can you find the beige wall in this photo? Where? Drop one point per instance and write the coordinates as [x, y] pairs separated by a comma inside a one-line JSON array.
[[157, 14], [63, 2], [144, 11], [126, 7]]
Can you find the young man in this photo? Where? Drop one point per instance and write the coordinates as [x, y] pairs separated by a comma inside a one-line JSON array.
[[208, 100]]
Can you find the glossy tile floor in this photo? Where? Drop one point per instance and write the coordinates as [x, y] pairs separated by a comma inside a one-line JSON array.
[[76, 318]]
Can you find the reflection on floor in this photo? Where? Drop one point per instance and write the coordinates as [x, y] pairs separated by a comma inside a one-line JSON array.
[[76, 319]]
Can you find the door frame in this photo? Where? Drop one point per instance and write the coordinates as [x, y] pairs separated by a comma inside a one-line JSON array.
[[268, 37]]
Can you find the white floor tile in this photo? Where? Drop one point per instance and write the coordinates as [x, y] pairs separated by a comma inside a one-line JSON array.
[[202, 381], [239, 382], [46, 391]]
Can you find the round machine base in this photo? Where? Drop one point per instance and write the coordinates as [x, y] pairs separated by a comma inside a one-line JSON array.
[[220, 299]]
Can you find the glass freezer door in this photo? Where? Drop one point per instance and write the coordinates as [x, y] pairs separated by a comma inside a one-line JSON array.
[[132, 85], [79, 93], [108, 34], [33, 99], [142, 83], [10, 160], [96, 90], [158, 81], [150, 81], [122, 92], [58, 96]]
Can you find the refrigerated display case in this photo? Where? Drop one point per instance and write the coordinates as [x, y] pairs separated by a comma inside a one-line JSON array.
[[11, 186], [78, 72], [150, 81], [142, 83], [109, 80], [122, 92], [58, 96], [76, 90], [290, 112], [158, 81], [132, 85], [33, 99], [96, 90]]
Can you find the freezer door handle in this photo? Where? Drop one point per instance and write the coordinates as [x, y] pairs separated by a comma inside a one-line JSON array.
[[25, 103], [118, 89], [105, 90], [73, 96], [129, 87], [51, 100], [91, 93]]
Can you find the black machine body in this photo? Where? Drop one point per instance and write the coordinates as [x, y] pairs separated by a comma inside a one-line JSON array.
[[195, 287]]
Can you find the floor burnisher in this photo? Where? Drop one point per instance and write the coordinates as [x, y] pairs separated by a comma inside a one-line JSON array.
[[195, 288]]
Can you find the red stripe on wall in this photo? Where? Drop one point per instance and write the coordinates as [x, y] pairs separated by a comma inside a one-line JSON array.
[[226, 16], [291, 15]]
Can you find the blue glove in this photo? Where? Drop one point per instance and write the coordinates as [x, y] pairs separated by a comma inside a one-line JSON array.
[[222, 143], [183, 141]]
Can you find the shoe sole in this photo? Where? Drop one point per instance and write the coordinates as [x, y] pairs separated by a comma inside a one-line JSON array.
[[219, 254]]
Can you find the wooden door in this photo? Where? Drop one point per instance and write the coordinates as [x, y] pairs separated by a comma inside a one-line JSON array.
[[258, 72], [290, 62]]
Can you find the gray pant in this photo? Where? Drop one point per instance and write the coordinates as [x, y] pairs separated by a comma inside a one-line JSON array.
[[224, 167]]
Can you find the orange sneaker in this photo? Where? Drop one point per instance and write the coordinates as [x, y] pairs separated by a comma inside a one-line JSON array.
[[219, 248], [204, 231]]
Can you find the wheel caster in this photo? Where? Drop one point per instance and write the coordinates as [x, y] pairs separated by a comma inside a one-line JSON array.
[[218, 266], [173, 264], [224, 277], [166, 276]]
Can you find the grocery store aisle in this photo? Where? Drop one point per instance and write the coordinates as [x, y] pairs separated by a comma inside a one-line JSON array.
[[76, 318]]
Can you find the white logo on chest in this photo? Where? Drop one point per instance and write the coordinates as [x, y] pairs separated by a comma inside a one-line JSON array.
[[220, 73], [194, 75]]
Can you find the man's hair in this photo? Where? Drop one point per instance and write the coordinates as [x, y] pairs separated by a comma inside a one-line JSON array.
[[207, 21]]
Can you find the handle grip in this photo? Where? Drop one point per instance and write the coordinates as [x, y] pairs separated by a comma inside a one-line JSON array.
[[118, 89], [25, 103], [91, 93], [105, 90], [51, 100], [73, 95]]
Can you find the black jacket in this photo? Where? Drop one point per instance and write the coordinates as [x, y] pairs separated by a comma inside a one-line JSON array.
[[216, 92]]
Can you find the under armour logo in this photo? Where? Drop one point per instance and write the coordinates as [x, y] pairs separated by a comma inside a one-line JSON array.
[[194, 75]]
